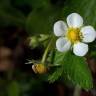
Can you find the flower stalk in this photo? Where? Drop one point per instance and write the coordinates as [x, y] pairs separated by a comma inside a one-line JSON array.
[[46, 51]]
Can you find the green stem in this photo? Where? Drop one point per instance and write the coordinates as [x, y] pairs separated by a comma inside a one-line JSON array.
[[56, 65], [46, 52]]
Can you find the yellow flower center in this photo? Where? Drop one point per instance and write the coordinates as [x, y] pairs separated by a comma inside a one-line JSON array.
[[74, 35]]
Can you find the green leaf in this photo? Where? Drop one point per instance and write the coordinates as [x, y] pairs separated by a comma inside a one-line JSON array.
[[55, 75], [75, 69], [59, 70], [41, 21], [14, 89]]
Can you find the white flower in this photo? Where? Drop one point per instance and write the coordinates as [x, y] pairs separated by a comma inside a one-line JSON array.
[[73, 35]]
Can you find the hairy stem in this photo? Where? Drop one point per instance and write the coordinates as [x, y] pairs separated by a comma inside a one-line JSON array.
[[46, 51]]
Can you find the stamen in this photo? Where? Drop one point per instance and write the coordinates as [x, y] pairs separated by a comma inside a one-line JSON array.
[[74, 35]]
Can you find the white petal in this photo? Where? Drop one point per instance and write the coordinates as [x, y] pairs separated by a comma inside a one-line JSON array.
[[88, 33], [62, 44], [60, 28], [80, 49], [74, 20]]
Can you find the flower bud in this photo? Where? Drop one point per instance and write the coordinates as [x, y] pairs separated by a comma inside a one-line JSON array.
[[39, 68]]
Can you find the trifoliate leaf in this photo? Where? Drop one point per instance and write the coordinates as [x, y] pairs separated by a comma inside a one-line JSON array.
[[75, 68], [41, 21], [59, 69], [55, 75]]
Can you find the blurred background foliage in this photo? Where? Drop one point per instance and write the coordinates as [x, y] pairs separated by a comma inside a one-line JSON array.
[[21, 19]]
